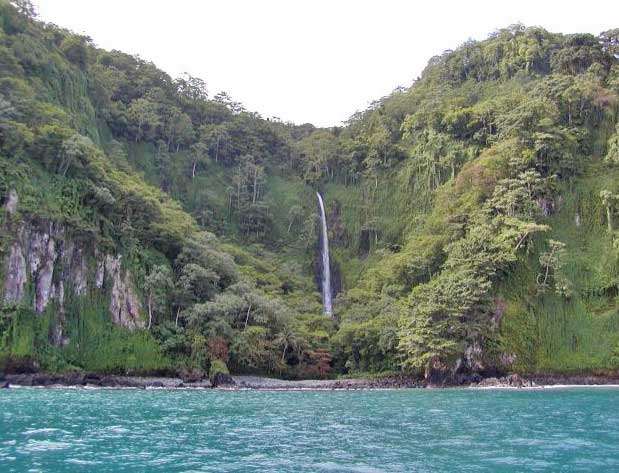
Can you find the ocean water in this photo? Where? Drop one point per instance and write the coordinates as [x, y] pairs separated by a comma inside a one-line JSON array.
[[449, 430]]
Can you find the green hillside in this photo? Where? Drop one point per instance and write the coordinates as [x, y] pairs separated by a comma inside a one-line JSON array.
[[148, 227]]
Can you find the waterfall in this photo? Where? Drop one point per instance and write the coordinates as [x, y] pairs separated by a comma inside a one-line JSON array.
[[327, 303]]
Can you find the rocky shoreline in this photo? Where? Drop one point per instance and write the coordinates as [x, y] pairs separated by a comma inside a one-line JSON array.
[[100, 381], [575, 379], [223, 382], [90, 380], [387, 382], [548, 380]]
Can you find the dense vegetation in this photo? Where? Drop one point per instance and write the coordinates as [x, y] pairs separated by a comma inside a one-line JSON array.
[[471, 216]]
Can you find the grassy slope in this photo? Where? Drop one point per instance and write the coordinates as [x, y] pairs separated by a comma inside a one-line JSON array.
[[552, 333]]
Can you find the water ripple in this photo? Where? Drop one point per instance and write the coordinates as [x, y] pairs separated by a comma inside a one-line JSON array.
[[69, 430]]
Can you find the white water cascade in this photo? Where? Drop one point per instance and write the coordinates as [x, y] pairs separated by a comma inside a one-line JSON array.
[[327, 302]]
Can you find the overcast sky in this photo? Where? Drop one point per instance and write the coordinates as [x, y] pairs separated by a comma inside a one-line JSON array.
[[312, 61]]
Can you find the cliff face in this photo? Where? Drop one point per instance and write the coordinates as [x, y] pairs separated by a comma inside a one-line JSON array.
[[44, 264]]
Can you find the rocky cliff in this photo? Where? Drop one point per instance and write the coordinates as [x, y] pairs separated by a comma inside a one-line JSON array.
[[44, 263]]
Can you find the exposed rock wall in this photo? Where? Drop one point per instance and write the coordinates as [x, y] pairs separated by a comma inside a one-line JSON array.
[[15, 275], [39, 246], [44, 264], [124, 304]]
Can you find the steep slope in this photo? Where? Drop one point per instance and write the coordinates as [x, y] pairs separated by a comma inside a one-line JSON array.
[[101, 270], [471, 216], [503, 256]]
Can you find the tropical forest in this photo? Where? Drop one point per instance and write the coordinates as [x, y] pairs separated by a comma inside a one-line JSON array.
[[148, 227]]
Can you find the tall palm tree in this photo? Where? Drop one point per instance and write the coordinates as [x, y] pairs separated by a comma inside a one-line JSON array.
[[288, 339]]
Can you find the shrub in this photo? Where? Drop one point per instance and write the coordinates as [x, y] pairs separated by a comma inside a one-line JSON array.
[[217, 369]]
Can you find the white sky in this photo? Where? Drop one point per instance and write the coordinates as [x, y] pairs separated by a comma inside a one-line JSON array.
[[312, 61]]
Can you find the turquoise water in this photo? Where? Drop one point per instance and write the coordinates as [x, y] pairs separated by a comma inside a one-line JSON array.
[[451, 430]]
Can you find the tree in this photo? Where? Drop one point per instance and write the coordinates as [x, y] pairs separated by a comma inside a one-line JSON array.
[[451, 311], [288, 340], [143, 115], [518, 196], [202, 249], [320, 153], [612, 156], [76, 152], [175, 341], [249, 180], [379, 148], [250, 349], [25, 7], [255, 219], [157, 286], [436, 324], [437, 156], [218, 140], [610, 202], [199, 283], [294, 214], [610, 42], [225, 99], [199, 156], [191, 88], [309, 231], [552, 262], [182, 300], [176, 127], [7, 111], [319, 361], [162, 164], [75, 48]]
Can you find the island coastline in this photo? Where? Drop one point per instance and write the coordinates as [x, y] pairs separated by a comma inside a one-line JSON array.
[[246, 382]]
